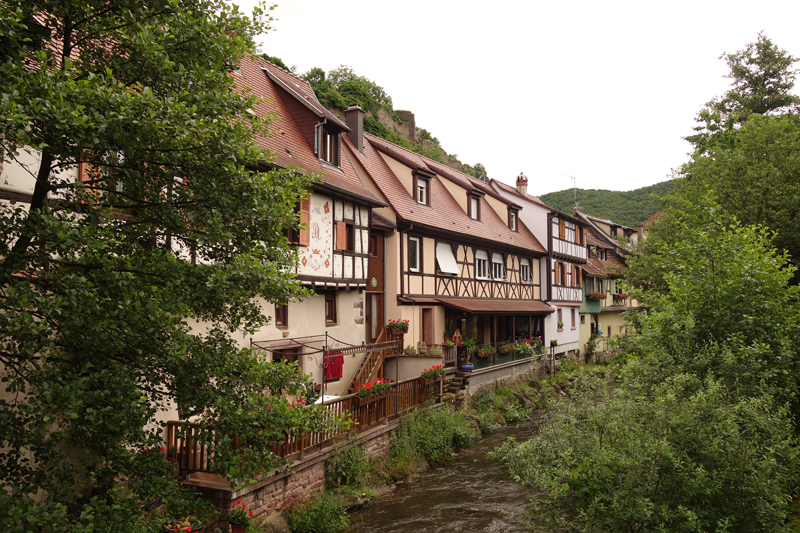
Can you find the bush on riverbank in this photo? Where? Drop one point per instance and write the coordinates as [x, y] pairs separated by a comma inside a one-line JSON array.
[[322, 514], [699, 434]]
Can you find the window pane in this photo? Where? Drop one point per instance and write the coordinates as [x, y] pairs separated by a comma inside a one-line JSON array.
[[413, 253]]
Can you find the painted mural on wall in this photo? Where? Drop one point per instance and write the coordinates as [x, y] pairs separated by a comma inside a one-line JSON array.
[[316, 259]]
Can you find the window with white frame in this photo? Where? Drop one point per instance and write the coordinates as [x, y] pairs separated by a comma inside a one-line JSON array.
[[525, 273], [481, 265], [474, 208], [512, 220], [413, 254], [329, 146], [498, 267], [422, 191]]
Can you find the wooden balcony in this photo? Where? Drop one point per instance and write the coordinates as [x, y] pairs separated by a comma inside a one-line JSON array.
[[197, 451]]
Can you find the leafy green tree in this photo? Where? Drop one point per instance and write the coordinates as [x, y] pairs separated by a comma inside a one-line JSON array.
[[686, 458], [327, 93], [698, 434], [762, 77], [344, 74], [129, 293], [757, 180], [277, 61]]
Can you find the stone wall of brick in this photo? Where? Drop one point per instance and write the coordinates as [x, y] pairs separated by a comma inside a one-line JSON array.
[[276, 492]]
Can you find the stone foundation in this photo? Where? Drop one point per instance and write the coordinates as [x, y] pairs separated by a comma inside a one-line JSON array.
[[278, 491]]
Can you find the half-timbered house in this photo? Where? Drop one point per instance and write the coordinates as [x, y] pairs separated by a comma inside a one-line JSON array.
[[565, 236], [460, 259], [333, 247]]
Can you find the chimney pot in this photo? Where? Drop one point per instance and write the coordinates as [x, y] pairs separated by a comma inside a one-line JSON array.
[[522, 184]]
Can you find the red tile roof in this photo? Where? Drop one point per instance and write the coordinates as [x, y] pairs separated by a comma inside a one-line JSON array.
[[444, 213], [513, 190], [287, 143], [611, 267]]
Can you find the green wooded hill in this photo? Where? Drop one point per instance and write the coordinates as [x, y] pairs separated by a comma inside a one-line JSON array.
[[623, 207]]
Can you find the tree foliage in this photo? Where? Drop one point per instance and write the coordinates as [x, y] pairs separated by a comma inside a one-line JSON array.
[[686, 458], [762, 77], [698, 435], [103, 325], [628, 208]]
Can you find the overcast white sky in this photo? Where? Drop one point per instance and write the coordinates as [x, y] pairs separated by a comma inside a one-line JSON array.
[[602, 91]]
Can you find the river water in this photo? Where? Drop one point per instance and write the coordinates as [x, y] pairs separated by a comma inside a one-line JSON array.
[[469, 493]]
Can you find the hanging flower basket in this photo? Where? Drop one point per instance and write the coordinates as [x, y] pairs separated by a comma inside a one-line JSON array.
[[486, 351]]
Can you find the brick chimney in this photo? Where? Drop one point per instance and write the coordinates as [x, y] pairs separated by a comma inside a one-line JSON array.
[[522, 183], [354, 117]]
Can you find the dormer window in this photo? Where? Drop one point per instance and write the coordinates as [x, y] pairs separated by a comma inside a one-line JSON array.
[[513, 215], [329, 146], [422, 191], [474, 206], [422, 186]]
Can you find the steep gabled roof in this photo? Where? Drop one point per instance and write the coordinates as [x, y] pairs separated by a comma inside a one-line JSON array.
[[599, 234], [444, 213], [611, 267], [512, 190], [292, 99]]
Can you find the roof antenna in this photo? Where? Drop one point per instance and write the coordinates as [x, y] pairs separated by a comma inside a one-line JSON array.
[[574, 191]]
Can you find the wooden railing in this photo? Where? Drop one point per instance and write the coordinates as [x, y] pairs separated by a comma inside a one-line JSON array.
[[449, 355], [196, 449]]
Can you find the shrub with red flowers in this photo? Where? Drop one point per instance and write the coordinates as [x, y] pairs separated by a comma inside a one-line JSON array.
[[434, 372], [375, 387], [398, 324], [238, 515]]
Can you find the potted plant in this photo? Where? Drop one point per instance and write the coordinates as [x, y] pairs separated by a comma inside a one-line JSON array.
[[470, 348], [398, 325], [507, 347], [449, 344], [172, 453], [369, 391], [553, 342], [423, 348], [560, 325], [486, 351], [435, 349], [410, 350], [239, 517], [432, 374], [596, 296]]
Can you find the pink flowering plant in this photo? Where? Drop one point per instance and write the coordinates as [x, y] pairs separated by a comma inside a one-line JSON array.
[[434, 372], [398, 324], [239, 515], [375, 387]]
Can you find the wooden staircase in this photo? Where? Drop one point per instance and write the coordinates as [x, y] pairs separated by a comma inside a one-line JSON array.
[[371, 366]]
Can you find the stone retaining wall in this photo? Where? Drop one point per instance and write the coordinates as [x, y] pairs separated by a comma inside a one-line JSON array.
[[276, 492]]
